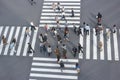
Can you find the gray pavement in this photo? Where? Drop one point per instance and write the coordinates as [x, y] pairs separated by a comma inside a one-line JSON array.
[[15, 68]]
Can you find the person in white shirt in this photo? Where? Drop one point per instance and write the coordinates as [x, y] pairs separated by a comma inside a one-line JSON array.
[[87, 28], [32, 26]]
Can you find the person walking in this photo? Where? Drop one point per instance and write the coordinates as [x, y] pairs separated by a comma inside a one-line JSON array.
[[46, 27], [114, 28], [30, 49], [32, 26], [44, 49], [57, 53], [41, 47], [99, 16], [54, 31], [64, 51], [74, 51], [87, 28], [96, 30], [49, 50], [58, 6], [79, 31], [63, 16], [74, 28], [72, 13], [45, 38], [12, 45], [61, 65], [4, 41], [59, 39], [84, 24], [27, 32], [54, 6], [66, 34], [77, 67], [41, 38], [80, 48], [100, 45]]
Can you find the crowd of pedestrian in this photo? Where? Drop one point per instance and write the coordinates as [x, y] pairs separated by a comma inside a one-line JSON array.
[[61, 36]]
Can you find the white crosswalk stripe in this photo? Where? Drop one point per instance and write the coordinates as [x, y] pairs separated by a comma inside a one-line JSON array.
[[16, 37], [26, 45], [5, 34], [116, 46], [87, 46], [17, 32], [109, 47], [48, 14], [21, 41], [9, 40], [94, 45], [102, 50], [34, 40], [49, 68], [106, 52]]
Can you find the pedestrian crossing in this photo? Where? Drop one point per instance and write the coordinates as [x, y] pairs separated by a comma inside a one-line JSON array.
[[49, 68], [110, 47], [48, 14], [21, 46]]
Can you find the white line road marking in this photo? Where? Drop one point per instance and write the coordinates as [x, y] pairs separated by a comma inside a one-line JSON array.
[[116, 46], [69, 7], [16, 37], [102, 40], [54, 59], [53, 14], [34, 40], [88, 46], [51, 25], [52, 64], [109, 57], [53, 70], [21, 41], [9, 40], [26, 45], [51, 11], [5, 34], [94, 45], [53, 18], [53, 76], [63, 4]]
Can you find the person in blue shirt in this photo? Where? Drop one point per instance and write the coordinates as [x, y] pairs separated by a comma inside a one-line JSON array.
[[77, 67]]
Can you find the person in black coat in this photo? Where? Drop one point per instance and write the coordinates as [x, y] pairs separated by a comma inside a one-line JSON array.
[[74, 50], [61, 65], [72, 12], [80, 48], [30, 49]]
